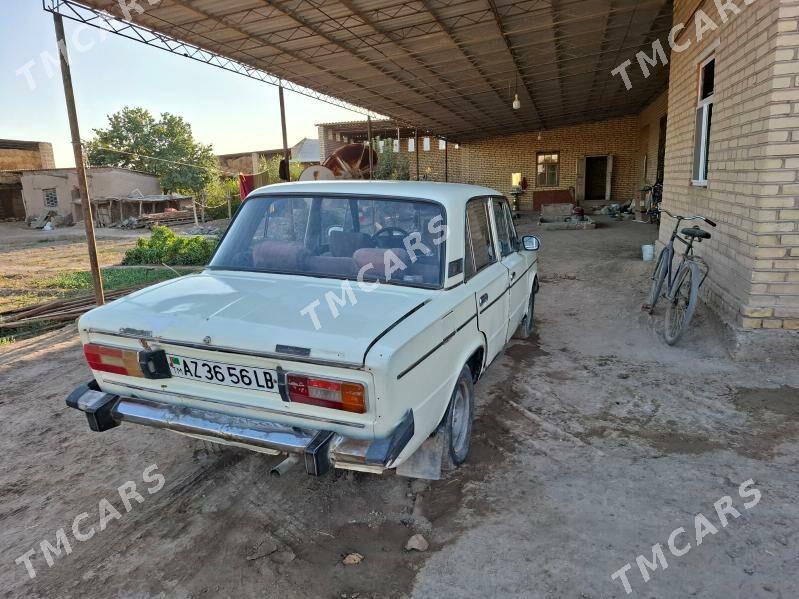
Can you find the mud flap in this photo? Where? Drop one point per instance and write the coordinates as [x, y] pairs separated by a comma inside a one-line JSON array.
[[425, 462]]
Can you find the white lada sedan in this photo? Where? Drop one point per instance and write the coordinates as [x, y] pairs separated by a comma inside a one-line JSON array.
[[342, 323]]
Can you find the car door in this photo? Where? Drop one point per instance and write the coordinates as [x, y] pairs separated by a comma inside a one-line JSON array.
[[486, 277], [513, 261]]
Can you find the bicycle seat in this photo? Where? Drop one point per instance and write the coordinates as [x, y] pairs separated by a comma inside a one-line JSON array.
[[695, 232]]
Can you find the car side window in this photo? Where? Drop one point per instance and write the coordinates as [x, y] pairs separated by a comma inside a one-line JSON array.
[[506, 245], [514, 237], [479, 250]]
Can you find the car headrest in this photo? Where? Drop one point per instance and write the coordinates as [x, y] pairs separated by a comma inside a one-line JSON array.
[[385, 264], [279, 255], [344, 244]]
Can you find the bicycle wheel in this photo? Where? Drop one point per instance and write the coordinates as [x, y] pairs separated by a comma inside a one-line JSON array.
[[661, 269], [682, 302]]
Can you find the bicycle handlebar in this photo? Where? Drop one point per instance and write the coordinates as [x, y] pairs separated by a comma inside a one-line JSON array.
[[696, 217]]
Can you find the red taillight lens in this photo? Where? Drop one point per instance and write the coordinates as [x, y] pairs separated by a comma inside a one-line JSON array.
[[329, 394], [112, 359]]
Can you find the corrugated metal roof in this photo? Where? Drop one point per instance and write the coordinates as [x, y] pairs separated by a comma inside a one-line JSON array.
[[451, 68]]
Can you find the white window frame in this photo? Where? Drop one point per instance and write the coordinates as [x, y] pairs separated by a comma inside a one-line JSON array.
[[396, 146], [426, 144], [442, 143], [411, 144], [704, 104]]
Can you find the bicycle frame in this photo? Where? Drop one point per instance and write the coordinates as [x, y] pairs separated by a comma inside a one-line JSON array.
[[687, 255]]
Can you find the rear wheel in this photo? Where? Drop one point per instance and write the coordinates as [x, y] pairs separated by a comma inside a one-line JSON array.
[[458, 421], [659, 276], [682, 303]]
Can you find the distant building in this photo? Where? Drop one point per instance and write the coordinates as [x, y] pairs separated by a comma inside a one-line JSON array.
[[305, 151], [56, 190], [17, 155]]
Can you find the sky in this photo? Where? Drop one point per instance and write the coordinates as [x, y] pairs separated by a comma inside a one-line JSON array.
[[229, 111]]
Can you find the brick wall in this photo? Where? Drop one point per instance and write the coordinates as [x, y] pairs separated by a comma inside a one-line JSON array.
[[491, 161], [752, 185], [29, 155]]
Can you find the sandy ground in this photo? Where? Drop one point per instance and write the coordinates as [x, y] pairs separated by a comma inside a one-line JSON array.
[[594, 441]]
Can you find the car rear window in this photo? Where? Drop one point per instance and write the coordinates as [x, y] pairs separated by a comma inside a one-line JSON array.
[[366, 238]]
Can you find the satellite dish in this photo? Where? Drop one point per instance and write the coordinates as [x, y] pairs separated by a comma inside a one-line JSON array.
[[317, 172]]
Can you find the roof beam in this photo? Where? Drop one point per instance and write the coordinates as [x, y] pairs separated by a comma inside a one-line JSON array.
[[398, 42], [353, 52], [466, 54], [515, 58], [234, 27]]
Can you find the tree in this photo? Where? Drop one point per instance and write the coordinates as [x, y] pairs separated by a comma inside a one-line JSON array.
[[390, 164], [166, 147], [271, 166]]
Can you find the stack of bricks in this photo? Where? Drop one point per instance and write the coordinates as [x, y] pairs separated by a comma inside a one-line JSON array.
[[752, 190]]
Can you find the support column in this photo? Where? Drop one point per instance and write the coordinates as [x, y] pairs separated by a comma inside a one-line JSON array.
[[416, 147], [446, 162], [369, 137], [283, 127], [80, 165]]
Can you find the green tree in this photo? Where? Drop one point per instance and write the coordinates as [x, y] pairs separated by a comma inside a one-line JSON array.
[[271, 166], [165, 147], [390, 164]]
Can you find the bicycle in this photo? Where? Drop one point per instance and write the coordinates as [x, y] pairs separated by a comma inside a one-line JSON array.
[[654, 195], [682, 285]]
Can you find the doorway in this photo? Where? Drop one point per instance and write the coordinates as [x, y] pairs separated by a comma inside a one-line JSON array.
[[596, 177]]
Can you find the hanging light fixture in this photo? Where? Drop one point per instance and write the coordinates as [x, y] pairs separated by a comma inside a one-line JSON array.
[[516, 104]]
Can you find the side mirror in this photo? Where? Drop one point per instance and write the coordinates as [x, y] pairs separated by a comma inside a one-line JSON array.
[[531, 243]]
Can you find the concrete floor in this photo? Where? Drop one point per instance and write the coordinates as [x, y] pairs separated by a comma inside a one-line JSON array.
[[594, 441]]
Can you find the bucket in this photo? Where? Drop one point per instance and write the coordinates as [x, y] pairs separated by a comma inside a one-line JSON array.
[[648, 252]]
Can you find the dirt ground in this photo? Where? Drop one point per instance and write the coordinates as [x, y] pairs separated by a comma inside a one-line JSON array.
[[593, 442], [29, 256]]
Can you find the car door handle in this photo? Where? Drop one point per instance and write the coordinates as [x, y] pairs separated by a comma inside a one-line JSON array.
[[483, 298], [512, 275]]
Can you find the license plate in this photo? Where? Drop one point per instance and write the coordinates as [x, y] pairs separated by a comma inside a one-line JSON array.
[[219, 373]]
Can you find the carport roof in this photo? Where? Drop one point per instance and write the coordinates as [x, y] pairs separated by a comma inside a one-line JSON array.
[[448, 67]]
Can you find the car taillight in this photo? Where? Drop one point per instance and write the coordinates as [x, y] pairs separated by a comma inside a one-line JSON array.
[[326, 393], [113, 359]]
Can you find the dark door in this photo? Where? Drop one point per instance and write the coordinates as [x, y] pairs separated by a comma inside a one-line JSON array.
[[661, 150], [596, 171]]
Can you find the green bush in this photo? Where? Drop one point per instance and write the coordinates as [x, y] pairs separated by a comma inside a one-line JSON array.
[[165, 247]]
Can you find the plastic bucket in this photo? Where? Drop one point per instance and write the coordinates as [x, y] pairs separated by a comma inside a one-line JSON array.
[[648, 252]]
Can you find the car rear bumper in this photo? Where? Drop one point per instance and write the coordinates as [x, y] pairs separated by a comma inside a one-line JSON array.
[[320, 448]]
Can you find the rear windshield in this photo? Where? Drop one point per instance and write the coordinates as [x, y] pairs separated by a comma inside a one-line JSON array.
[[371, 239]]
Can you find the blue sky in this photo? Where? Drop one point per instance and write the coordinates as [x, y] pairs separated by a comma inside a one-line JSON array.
[[232, 112]]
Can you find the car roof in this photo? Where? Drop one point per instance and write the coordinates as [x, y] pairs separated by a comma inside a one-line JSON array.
[[449, 194]]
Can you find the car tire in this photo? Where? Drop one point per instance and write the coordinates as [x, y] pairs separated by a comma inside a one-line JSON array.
[[527, 325], [457, 424]]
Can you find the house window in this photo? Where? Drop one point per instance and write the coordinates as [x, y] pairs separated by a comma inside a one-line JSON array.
[[704, 115], [411, 144], [396, 145], [442, 143], [426, 144], [380, 145], [50, 198], [547, 169]]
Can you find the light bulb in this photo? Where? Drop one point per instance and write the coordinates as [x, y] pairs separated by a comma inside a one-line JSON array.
[[516, 103]]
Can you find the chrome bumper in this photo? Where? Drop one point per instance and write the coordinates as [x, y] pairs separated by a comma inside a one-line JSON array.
[[320, 449]]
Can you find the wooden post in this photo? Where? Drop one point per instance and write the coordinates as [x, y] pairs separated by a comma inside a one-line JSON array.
[[446, 162], [416, 147], [80, 165], [194, 208], [369, 138], [283, 126]]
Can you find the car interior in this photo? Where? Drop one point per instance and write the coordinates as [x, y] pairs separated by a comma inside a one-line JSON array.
[[347, 238]]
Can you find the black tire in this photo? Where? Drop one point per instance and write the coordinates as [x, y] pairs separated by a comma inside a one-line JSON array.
[[682, 303], [658, 277], [527, 325], [457, 425]]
